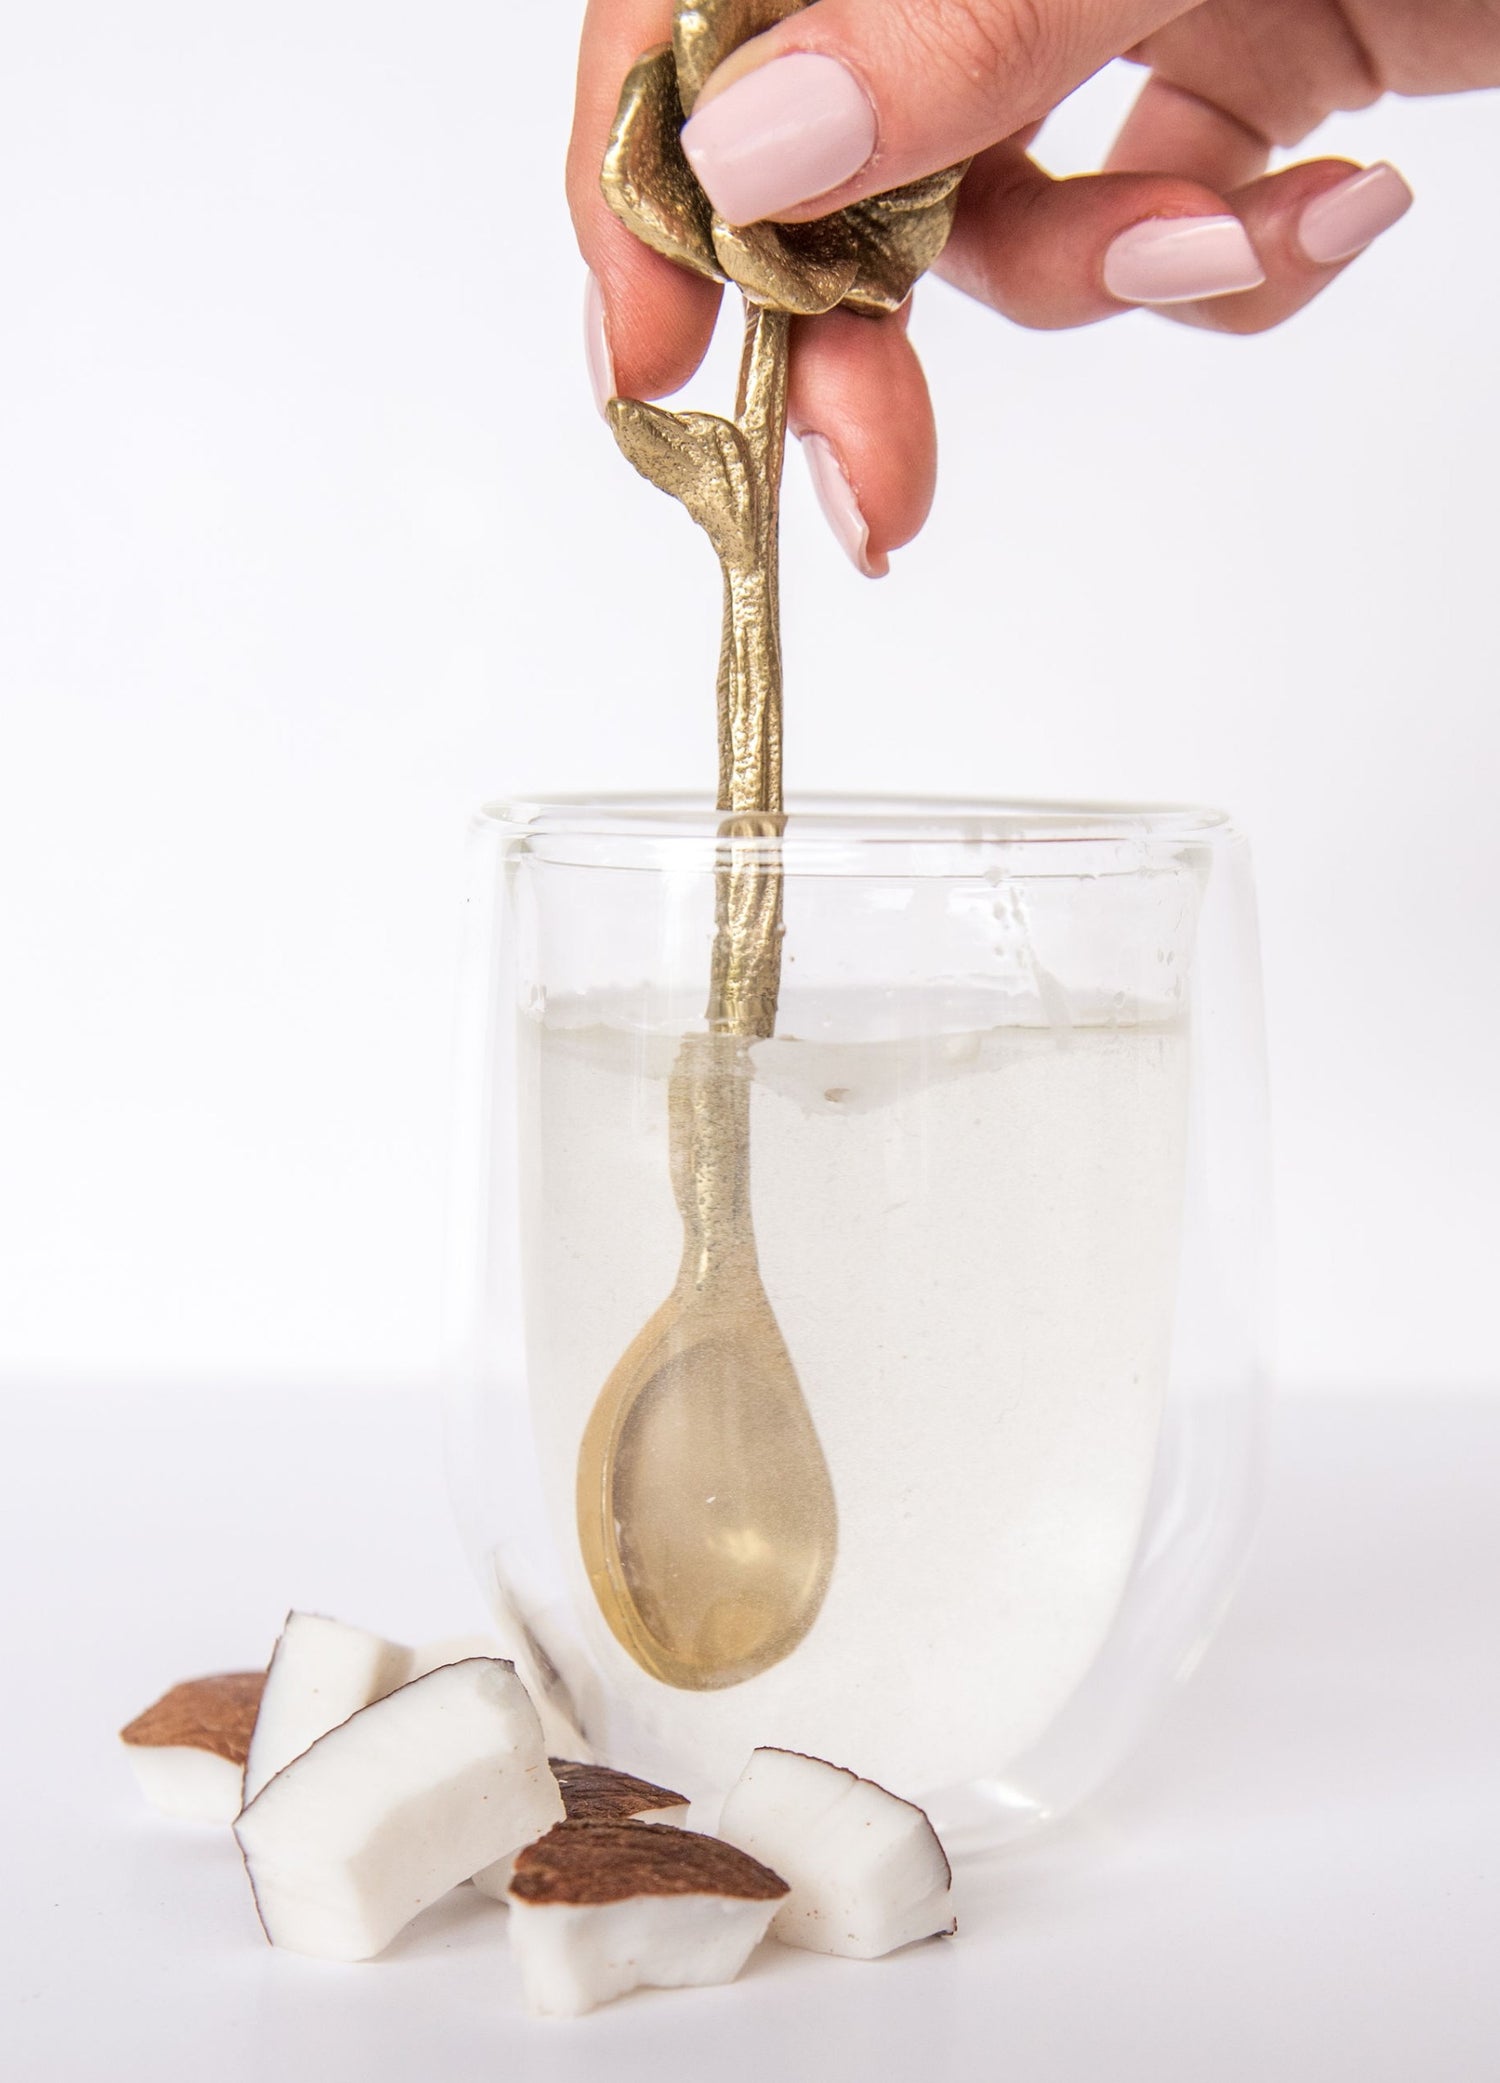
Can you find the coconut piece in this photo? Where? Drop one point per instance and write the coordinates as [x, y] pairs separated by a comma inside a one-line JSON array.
[[596, 1794], [867, 1871], [322, 1671], [188, 1750], [601, 1908], [394, 1807]]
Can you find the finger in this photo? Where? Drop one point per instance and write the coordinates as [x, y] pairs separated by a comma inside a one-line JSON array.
[[851, 97], [1053, 253], [858, 403], [1307, 223], [1281, 82], [1171, 131], [650, 321]]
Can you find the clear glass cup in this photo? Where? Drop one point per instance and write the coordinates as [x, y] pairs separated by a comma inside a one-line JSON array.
[[1008, 1168]]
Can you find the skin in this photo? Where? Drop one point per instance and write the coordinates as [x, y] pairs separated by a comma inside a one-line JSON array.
[[1227, 81]]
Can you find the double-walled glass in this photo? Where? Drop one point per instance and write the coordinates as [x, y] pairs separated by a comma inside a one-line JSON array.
[[1007, 1176]]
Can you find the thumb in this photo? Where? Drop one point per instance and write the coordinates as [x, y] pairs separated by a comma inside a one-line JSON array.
[[847, 98]]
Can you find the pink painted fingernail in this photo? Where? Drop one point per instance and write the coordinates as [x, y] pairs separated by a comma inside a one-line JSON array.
[[1176, 260], [841, 508], [601, 362], [783, 134], [1342, 221]]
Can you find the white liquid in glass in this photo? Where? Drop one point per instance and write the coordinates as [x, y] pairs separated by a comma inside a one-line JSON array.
[[970, 1239]]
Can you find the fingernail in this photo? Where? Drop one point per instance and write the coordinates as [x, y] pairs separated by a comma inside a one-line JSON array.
[[841, 508], [1342, 221], [783, 134], [1176, 260], [596, 345]]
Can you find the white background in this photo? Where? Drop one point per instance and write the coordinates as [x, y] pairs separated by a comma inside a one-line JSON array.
[[308, 544]]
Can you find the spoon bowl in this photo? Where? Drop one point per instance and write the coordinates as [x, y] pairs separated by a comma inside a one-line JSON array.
[[705, 1509]]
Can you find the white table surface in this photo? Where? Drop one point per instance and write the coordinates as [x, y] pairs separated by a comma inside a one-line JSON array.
[[1298, 1877]]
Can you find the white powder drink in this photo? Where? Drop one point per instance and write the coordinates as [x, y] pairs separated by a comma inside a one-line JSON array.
[[970, 1238]]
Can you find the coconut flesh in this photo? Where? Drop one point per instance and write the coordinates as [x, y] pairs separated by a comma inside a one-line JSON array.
[[598, 1909], [398, 1804], [866, 1870], [595, 1794], [321, 1672], [188, 1750]]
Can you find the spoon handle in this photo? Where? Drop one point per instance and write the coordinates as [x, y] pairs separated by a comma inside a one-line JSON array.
[[708, 1102], [750, 670], [709, 1099], [745, 980]]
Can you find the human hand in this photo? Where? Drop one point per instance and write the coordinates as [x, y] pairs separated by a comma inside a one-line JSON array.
[[847, 98]]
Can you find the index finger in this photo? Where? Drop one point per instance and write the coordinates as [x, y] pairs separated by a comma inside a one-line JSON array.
[[657, 317]]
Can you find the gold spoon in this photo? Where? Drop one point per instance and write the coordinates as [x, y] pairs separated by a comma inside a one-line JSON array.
[[705, 1509]]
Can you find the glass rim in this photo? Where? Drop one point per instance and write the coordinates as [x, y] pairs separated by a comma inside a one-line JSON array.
[[845, 821]]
